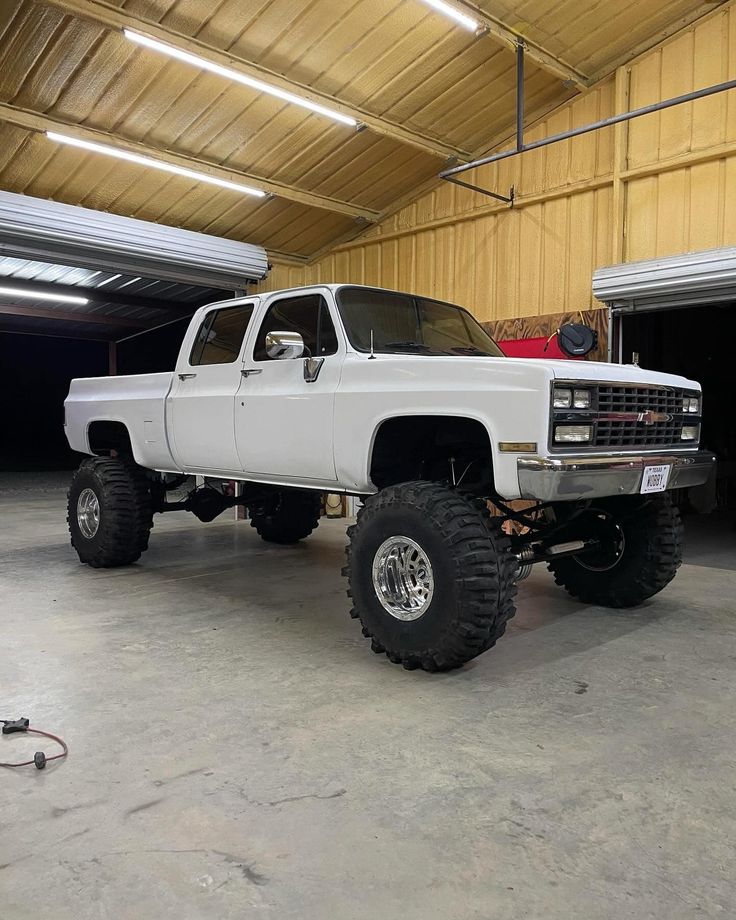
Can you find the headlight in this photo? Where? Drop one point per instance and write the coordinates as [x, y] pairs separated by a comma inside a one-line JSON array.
[[690, 433], [568, 434], [562, 399], [581, 399], [691, 404]]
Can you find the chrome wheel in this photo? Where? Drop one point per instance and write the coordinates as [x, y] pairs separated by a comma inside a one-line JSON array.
[[403, 578], [88, 513]]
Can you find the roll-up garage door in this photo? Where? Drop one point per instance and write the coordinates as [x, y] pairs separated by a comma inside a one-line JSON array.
[[51, 232], [676, 281], [676, 314]]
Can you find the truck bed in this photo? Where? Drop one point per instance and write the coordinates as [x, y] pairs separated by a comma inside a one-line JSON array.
[[138, 401]]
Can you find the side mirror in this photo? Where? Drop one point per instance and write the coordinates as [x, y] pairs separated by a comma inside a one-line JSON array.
[[577, 339], [284, 345]]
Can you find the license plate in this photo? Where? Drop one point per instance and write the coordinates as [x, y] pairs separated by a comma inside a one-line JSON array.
[[655, 478]]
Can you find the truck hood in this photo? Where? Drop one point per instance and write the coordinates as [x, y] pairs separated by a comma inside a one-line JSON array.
[[602, 371], [521, 372]]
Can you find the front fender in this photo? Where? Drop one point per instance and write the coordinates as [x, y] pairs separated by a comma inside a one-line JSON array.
[[510, 401]]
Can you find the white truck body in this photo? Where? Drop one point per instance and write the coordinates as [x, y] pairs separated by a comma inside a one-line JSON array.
[[262, 421]]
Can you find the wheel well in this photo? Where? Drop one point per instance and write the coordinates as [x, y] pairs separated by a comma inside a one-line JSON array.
[[427, 447], [105, 437]]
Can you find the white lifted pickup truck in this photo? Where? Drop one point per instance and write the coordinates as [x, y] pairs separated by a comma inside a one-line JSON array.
[[406, 402]]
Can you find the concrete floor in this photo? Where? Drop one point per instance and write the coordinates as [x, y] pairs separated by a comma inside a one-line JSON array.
[[238, 752]]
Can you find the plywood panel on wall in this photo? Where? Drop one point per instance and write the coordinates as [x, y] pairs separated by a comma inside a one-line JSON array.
[[674, 177], [542, 327]]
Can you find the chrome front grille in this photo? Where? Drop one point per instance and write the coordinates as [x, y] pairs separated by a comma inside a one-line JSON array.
[[627, 433], [640, 399], [626, 418]]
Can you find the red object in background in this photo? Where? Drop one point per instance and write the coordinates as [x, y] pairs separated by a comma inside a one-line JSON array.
[[534, 348]]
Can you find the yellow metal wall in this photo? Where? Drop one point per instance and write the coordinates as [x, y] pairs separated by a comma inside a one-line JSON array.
[[656, 186]]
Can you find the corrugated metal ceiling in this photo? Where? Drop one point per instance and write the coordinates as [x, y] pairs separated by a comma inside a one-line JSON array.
[[50, 231], [119, 305], [398, 59], [100, 282]]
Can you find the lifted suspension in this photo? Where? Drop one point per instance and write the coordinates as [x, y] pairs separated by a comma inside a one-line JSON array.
[[206, 502], [537, 551], [582, 530]]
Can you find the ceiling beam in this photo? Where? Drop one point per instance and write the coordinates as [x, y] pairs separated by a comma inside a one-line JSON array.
[[81, 336], [354, 235], [34, 121], [69, 316], [100, 295], [496, 29], [287, 258], [116, 19]]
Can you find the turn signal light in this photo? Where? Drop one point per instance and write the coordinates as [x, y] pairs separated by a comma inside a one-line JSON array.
[[570, 434]]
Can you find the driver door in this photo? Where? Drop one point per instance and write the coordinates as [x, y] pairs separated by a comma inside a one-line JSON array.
[[283, 422]]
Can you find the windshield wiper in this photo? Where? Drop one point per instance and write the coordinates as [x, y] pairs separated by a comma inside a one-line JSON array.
[[409, 344], [418, 346], [470, 350], [454, 349]]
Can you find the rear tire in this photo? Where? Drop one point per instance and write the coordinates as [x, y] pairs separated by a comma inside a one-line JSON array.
[[109, 512], [650, 554], [288, 516], [431, 576]]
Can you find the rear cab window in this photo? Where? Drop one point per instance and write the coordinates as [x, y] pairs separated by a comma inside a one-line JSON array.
[[220, 336]]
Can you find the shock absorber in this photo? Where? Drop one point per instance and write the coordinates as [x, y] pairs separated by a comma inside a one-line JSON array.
[[525, 557]]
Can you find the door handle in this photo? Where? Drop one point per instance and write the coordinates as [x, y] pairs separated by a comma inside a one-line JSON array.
[[312, 367], [246, 372], [186, 376]]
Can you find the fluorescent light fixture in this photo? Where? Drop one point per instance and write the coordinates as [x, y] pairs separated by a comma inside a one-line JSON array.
[[196, 61], [108, 280], [466, 22], [42, 295], [154, 164]]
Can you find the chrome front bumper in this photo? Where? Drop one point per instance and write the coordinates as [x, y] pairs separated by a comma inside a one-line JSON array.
[[568, 478]]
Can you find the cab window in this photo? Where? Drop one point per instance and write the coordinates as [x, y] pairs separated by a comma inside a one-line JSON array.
[[220, 336], [308, 315]]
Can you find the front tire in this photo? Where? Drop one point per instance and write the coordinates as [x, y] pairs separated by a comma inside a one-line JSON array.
[[649, 553], [430, 574], [286, 517], [109, 512]]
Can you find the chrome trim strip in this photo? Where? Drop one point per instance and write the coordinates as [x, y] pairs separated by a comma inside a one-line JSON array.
[[630, 384], [571, 478]]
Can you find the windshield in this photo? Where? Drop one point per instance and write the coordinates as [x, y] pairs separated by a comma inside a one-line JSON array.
[[403, 323]]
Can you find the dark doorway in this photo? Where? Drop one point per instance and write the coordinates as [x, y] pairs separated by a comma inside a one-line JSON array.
[[699, 343], [37, 371]]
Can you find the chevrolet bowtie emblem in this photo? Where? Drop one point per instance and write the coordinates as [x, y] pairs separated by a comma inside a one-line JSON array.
[[651, 418]]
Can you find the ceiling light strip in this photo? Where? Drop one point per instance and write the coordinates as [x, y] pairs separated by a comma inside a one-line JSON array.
[[455, 14], [42, 295], [154, 164], [259, 85]]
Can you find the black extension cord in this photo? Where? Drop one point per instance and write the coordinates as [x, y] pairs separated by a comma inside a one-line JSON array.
[[11, 726]]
